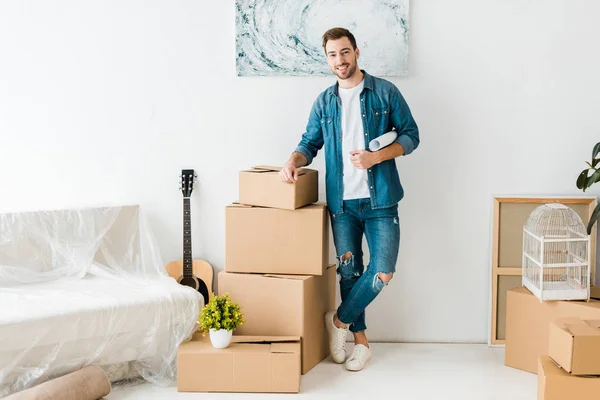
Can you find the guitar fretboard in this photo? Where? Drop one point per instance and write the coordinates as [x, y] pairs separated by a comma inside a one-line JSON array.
[[187, 238]]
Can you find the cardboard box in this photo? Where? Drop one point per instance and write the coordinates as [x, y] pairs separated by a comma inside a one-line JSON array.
[[250, 364], [528, 324], [554, 383], [271, 240], [262, 186], [575, 345], [285, 305]]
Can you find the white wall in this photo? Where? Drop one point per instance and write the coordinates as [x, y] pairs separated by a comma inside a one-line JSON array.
[[105, 102]]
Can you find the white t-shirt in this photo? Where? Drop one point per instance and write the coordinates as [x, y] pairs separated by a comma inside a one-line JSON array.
[[356, 184]]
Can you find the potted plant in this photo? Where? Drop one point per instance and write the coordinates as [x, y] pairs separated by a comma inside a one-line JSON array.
[[587, 178], [220, 317]]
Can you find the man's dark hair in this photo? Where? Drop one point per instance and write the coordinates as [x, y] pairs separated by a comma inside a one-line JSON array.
[[338, 33]]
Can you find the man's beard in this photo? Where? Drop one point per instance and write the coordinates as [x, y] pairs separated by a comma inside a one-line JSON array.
[[350, 70]]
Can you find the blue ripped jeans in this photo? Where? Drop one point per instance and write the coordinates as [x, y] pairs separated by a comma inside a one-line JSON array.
[[360, 286]]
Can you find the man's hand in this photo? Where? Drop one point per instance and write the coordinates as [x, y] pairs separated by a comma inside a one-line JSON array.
[[289, 173], [363, 159]]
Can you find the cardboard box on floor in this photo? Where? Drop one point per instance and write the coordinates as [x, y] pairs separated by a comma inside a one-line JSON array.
[[268, 364], [270, 240], [285, 305], [528, 325], [262, 186], [574, 344], [554, 383]]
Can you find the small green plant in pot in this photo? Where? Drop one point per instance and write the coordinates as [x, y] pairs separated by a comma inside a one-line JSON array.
[[587, 178], [220, 317]]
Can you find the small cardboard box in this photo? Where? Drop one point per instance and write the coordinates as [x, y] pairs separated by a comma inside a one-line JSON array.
[[554, 383], [262, 186], [528, 325], [575, 345], [271, 240], [285, 305], [266, 364]]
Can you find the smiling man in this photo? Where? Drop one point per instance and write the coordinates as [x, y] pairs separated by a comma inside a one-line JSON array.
[[362, 187]]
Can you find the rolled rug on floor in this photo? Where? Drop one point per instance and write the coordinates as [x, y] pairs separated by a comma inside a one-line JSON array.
[[89, 383]]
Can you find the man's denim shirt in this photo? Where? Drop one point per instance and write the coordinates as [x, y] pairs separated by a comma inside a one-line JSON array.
[[383, 107]]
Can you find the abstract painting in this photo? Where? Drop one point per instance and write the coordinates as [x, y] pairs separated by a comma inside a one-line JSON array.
[[283, 37]]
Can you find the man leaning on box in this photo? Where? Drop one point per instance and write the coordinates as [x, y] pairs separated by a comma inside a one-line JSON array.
[[363, 187]]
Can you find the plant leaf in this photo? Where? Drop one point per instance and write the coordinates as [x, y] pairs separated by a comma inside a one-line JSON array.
[[593, 179], [593, 218], [582, 179], [596, 150]]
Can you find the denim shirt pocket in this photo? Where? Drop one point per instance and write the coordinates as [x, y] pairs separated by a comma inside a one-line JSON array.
[[381, 119], [327, 126]]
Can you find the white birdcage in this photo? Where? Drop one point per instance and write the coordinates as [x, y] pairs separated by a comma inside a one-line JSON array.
[[556, 254]]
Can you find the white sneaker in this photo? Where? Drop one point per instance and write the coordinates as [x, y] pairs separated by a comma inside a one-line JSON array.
[[337, 339], [359, 358]]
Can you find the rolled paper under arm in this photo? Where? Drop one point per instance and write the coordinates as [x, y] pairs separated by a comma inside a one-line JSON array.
[[382, 141]]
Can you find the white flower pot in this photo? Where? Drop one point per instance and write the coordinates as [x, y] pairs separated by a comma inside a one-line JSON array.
[[220, 339]]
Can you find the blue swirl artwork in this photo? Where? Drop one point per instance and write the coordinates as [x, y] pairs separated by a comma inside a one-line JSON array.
[[284, 37]]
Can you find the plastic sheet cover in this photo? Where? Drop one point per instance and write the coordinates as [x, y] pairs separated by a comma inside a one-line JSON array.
[[83, 287]]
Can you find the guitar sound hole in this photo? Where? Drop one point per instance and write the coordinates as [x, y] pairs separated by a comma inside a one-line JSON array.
[[202, 288], [191, 282]]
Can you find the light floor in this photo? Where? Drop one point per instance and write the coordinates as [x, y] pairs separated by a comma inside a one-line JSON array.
[[396, 371]]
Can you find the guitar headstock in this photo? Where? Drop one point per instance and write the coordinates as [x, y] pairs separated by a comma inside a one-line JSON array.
[[188, 178]]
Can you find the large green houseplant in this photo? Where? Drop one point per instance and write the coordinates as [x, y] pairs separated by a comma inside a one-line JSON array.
[[587, 178]]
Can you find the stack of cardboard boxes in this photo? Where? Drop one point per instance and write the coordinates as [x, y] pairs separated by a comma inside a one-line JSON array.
[[276, 268], [558, 340]]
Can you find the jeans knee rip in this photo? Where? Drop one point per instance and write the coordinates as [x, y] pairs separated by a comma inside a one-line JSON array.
[[346, 265], [378, 284]]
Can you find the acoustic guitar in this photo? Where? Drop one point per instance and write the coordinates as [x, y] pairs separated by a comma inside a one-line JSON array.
[[197, 274]]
